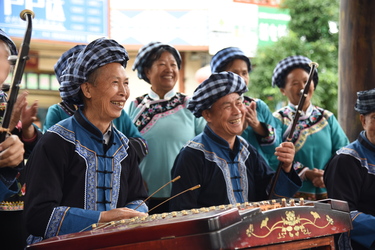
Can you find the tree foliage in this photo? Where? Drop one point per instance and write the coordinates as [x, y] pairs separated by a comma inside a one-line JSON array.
[[308, 35]]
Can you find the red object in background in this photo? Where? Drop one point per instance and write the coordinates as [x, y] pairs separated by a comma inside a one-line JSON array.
[[33, 61], [202, 74]]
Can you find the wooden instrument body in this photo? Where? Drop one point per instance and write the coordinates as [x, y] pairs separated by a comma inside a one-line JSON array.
[[286, 224], [222, 227]]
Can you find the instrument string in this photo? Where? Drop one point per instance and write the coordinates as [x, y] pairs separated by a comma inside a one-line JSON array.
[[175, 179], [102, 225], [189, 189]]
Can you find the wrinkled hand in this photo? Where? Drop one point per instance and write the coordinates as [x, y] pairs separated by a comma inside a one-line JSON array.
[[27, 115], [119, 214], [251, 119], [11, 152], [285, 153], [316, 177]]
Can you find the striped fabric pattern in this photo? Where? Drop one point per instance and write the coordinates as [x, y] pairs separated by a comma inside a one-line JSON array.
[[224, 56], [144, 54], [286, 65], [365, 101], [63, 61], [96, 54], [4, 37], [212, 89]]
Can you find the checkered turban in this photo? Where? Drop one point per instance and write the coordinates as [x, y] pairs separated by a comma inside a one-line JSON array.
[[365, 102], [96, 54], [285, 66], [12, 47], [221, 59], [65, 58], [144, 54], [212, 89]]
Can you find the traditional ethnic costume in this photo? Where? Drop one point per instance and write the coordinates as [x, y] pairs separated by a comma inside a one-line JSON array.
[[350, 176], [63, 110], [225, 175], [86, 177], [76, 171], [165, 124], [218, 64], [317, 135]]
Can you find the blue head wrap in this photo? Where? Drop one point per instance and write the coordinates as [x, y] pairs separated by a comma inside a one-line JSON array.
[[365, 102], [144, 54], [285, 66], [212, 89], [12, 47], [220, 60], [65, 58], [96, 54]]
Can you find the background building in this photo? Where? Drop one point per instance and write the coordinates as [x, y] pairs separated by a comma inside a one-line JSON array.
[[197, 28]]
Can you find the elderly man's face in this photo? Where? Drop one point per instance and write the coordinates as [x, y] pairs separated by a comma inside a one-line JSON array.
[[4, 63], [226, 116], [368, 123], [109, 92]]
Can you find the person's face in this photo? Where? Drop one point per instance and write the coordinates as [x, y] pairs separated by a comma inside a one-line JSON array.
[[368, 123], [226, 116], [107, 96], [239, 67], [295, 82], [163, 74], [4, 63]]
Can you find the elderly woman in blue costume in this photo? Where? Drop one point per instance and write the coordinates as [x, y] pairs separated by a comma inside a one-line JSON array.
[[350, 176], [161, 117], [260, 125], [317, 135], [63, 110], [228, 168], [90, 173]]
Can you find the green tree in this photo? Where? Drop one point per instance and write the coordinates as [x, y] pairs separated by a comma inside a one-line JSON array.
[[308, 35]]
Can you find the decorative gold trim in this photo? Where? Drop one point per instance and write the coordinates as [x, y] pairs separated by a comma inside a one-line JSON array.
[[11, 205], [291, 225]]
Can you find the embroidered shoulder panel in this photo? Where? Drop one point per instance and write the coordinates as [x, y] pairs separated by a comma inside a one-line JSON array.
[[157, 109], [363, 161], [317, 121], [223, 165]]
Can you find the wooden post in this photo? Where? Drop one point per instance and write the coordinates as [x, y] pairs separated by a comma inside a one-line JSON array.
[[356, 59]]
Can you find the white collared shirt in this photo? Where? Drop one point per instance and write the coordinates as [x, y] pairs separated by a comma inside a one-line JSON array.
[[167, 96]]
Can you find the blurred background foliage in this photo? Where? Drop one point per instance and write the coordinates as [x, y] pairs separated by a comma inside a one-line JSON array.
[[312, 32]]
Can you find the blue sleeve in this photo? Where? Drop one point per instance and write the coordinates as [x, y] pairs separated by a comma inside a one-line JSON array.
[[132, 205], [287, 184], [6, 191], [65, 220], [363, 229]]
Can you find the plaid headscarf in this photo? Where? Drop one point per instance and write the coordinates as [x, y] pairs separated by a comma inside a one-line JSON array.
[[144, 54], [365, 102], [212, 89], [220, 60], [12, 47], [65, 58], [285, 66], [96, 54]]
